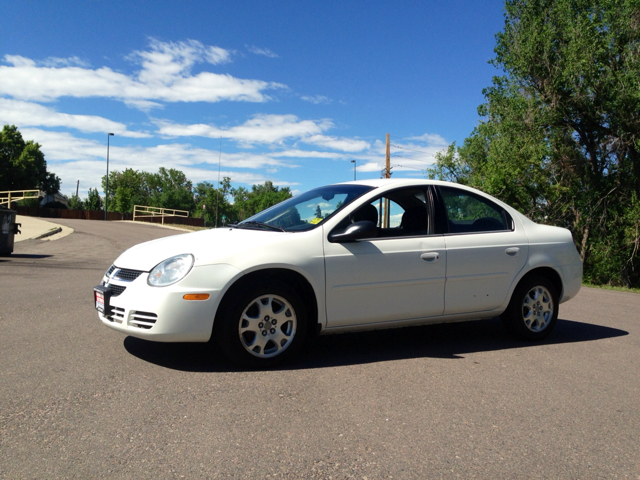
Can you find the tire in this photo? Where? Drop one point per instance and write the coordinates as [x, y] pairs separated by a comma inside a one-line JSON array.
[[533, 310], [262, 326]]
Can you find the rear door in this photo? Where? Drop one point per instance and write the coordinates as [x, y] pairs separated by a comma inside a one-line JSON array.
[[485, 251]]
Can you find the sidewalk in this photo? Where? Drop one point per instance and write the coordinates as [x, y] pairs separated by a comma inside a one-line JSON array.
[[36, 228], [33, 227]]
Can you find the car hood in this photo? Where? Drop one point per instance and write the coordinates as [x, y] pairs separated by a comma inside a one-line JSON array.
[[208, 247]]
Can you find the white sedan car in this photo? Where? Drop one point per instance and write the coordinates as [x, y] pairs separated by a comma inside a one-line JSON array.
[[351, 256]]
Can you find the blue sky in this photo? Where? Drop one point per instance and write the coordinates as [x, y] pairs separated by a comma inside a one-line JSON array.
[[290, 91]]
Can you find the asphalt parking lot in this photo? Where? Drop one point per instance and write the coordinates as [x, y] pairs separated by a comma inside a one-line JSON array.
[[78, 400]]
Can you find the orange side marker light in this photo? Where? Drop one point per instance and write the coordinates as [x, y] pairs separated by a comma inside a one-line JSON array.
[[196, 296]]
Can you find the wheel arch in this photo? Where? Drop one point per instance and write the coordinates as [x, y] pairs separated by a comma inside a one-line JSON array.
[[549, 273], [290, 277]]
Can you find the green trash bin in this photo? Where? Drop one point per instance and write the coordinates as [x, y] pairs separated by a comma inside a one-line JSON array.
[[8, 229]]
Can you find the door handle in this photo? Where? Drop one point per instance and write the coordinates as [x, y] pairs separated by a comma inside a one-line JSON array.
[[512, 251], [430, 257]]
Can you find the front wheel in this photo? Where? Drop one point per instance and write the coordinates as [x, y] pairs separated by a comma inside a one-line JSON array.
[[262, 326], [533, 310]]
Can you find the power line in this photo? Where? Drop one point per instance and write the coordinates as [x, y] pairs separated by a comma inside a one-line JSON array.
[[412, 168], [412, 159], [412, 150]]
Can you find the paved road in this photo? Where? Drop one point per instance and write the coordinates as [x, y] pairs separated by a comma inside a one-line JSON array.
[[78, 400]]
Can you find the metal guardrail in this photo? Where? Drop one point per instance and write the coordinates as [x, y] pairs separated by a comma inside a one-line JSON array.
[[9, 196], [142, 211]]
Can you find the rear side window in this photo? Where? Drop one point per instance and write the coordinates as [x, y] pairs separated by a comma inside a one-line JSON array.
[[470, 213]]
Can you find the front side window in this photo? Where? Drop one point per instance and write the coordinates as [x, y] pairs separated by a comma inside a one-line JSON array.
[[399, 213], [469, 213], [305, 211]]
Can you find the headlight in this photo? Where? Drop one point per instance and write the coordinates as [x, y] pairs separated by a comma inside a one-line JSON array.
[[170, 271]]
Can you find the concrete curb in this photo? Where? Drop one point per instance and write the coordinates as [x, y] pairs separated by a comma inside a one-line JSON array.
[[35, 228], [51, 232], [171, 227]]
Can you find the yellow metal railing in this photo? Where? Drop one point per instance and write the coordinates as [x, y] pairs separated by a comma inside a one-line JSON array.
[[17, 195], [142, 211]]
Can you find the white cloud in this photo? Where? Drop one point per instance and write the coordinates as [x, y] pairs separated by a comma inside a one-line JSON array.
[[143, 105], [66, 62], [412, 157], [19, 61], [261, 51], [432, 140], [371, 167], [73, 159], [334, 143], [258, 129], [316, 99], [164, 77], [25, 114], [167, 60], [295, 153], [271, 129]]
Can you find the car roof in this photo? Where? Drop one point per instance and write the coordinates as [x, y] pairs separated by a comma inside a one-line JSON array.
[[383, 182], [401, 182]]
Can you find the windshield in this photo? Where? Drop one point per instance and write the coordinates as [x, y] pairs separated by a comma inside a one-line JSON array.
[[308, 210]]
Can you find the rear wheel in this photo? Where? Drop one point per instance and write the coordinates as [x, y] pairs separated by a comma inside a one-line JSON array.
[[262, 326], [533, 310]]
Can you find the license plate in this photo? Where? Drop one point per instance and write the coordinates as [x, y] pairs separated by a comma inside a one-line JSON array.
[[101, 296], [99, 301]]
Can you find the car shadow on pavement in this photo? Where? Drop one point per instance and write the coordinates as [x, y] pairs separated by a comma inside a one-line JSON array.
[[447, 341], [25, 255]]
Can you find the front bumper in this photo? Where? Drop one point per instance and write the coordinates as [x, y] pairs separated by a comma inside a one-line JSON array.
[[161, 313]]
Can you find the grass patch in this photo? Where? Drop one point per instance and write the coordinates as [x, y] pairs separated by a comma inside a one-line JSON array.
[[610, 287]]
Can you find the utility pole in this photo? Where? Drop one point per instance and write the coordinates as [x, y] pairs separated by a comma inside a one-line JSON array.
[[387, 170], [384, 204], [77, 187]]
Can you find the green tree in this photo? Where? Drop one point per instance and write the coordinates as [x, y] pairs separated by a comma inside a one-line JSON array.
[[123, 200], [560, 132], [170, 188], [237, 204], [213, 203], [126, 189], [75, 203], [247, 203], [93, 201], [22, 164]]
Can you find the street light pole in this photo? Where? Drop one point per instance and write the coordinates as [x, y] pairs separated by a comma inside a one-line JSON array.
[[106, 193], [354, 170]]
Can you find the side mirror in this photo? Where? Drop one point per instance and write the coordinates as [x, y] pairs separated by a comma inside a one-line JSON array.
[[355, 231]]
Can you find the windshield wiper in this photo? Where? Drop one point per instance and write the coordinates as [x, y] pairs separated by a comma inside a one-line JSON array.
[[254, 224]]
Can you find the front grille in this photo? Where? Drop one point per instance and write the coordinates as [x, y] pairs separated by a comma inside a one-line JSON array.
[[115, 289], [117, 315], [123, 273], [144, 320], [127, 275]]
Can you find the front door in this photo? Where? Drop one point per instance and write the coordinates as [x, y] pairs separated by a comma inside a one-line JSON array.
[[398, 275]]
